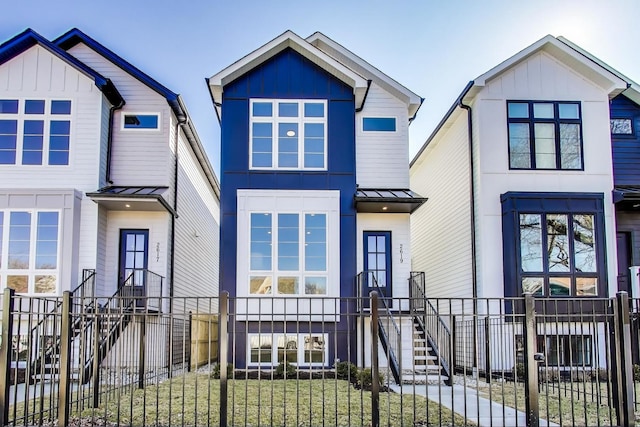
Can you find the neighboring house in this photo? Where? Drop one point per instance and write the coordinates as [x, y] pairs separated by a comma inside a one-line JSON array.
[[102, 170], [315, 178], [519, 175]]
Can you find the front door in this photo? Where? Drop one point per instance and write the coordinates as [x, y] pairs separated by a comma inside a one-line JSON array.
[[624, 262], [377, 262], [134, 255]]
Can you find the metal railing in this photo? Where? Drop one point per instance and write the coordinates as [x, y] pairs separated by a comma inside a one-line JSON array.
[[430, 323], [311, 361]]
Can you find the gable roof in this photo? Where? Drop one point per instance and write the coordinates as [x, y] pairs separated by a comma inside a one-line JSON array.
[[74, 36], [364, 68], [565, 51], [29, 38], [288, 39]]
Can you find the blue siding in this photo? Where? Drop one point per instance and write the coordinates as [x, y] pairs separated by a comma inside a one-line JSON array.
[[626, 148], [288, 75]]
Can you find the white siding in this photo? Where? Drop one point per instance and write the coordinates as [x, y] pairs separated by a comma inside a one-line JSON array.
[[158, 225], [539, 77], [139, 157], [440, 229], [197, 230], [38, 74], [382, 158], [398, 225]]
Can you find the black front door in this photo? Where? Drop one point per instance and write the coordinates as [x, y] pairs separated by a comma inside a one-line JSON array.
[[134, 256], [377, 262], [624, 262]]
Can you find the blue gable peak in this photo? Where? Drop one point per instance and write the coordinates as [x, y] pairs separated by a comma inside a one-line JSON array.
[[29, 38]]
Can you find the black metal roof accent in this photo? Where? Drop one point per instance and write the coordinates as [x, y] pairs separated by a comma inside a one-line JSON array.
[[133, 192], [387, 200]]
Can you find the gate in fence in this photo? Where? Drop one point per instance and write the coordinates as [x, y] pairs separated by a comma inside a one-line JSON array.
[[86, 360]]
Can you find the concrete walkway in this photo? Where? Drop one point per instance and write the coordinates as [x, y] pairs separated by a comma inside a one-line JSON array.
[[466, 402]]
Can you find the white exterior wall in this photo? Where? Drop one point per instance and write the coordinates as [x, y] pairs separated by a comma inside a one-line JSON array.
[[158, 225], [197, 230], [138, 157], [398, 225], [382, 158], [440, 229], [540, 77]]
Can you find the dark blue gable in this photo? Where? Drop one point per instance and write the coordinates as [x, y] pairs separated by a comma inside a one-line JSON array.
[[288, 75], [626, 148]]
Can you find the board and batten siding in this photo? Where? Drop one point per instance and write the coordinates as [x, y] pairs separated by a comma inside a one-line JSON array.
[[539, 77], [139, 157], [440, 229], [37, 74], [626, 148], [382, 158], [197, 231], [158, 225]]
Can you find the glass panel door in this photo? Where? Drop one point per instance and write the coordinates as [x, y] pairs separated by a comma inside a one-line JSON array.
[[377, 262], [134, 255]]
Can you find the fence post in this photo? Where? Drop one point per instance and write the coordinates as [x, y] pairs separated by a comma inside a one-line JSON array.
[[487, 353], [5, 355], [454, 341], [142, 356], [95, 361], [65, 361], [623, 389], [530, 364], [223, 355], [375, 375]]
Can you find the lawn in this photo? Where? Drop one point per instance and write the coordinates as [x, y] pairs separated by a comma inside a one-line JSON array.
[[193, 400]]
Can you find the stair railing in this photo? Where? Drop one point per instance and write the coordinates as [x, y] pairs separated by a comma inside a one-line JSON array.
[[437, 333], [388, 330]]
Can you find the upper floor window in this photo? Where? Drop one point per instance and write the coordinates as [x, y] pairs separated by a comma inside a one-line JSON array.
[[545, 135], [141, 121], [621, 126], [35, 132], [29, 244], [379, 124], [288, 134]]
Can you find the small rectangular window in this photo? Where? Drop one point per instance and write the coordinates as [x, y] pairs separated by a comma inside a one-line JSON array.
[[8, 106], [60, 107], [141, 121], [34, 106], [379, 124], [8, 139], [621, 127]]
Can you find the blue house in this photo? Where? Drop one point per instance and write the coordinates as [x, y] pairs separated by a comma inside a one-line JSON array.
[[315, 190]]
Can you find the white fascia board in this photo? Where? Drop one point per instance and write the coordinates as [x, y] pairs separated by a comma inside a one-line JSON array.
[[574, 59], [277, 45], [412, 100]]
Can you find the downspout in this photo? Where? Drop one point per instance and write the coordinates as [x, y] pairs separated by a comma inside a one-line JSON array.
[[112, 109], [182, 120], [472, 215]]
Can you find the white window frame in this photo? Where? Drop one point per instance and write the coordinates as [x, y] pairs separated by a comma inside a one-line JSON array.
[[46, 118], [31, 272], [124, 114], [300, 338], [275, 120], [381, 132]]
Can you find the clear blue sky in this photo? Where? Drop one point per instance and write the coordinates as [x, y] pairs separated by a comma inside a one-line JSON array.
[[432, 47]]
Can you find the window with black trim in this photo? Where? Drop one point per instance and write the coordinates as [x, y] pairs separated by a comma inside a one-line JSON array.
[[621, 126], [545, 135], [560, 350]]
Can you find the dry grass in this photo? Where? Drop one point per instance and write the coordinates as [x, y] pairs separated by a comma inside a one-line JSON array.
[[194, 400]]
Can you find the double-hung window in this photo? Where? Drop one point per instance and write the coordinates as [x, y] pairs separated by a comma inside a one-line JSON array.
[[288, 253], [29, 247], [288, 134], [35, 132], [545, 135]]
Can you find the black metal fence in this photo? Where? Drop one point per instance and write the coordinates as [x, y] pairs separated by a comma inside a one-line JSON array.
[[77, 360]]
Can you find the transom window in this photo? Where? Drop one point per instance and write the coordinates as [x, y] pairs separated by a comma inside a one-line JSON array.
[[35, 132], [288, 254], [545, 135], [288, 134], [558, 254], [298, 349], [29, 246]]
